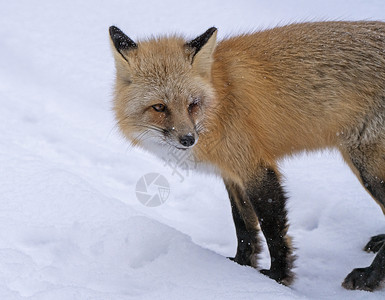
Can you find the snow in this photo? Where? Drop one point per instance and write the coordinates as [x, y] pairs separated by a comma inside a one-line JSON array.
[[71, 226]]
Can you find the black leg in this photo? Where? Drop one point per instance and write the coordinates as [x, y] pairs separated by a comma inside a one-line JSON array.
[[369, 162], [246, 226], [269, 200], [375, 243], [369, 278]]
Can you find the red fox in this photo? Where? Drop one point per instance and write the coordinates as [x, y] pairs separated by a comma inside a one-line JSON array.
[[241, 105]]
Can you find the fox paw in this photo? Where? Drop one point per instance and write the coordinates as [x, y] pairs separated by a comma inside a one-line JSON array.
[[375, 243], [244, 260], [365, 279], [278, 276]]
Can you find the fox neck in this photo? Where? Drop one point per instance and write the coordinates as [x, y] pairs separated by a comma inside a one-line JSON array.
[[220, 144]]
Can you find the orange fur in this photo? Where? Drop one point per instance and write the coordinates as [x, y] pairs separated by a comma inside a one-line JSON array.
[[299, 87], [252, 99], [270, 93]]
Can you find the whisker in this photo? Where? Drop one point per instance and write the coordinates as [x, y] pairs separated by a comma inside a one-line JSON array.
[[141, 137], [113, 129], [152, 127], [126, 121], [130, 146]]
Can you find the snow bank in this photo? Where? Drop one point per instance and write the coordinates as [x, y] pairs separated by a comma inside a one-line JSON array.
[[70, 224]]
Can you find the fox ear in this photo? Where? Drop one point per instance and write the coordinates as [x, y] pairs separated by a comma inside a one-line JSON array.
[[201, 51], [121, 42]]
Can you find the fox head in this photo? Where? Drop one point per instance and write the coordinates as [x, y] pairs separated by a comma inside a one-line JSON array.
[[163, 88]]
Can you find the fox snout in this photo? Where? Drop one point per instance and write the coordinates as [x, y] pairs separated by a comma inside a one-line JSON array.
[[182, 136], [187, 140], [183, 140]]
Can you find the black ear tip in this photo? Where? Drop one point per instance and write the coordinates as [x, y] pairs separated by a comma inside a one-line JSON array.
[[114, 30], [211, 30], [120, 40], [201, 40]]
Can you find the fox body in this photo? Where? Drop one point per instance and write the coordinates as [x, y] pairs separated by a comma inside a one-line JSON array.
[[240, 105]]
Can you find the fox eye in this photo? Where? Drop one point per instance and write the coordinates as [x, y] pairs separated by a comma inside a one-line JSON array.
[[159, 107], [194, 104]]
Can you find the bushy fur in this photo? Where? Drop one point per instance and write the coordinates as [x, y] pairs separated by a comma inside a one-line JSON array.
[[263, 96]]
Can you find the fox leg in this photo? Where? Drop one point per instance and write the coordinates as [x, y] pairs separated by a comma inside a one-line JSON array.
[[269, 202], [375, 243], [368, 163], [246, 226]]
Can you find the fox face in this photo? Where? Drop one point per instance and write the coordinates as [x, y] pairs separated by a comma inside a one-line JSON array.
[[163, 89]]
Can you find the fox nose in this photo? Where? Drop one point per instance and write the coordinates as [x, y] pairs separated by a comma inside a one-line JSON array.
[[187, 140]]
